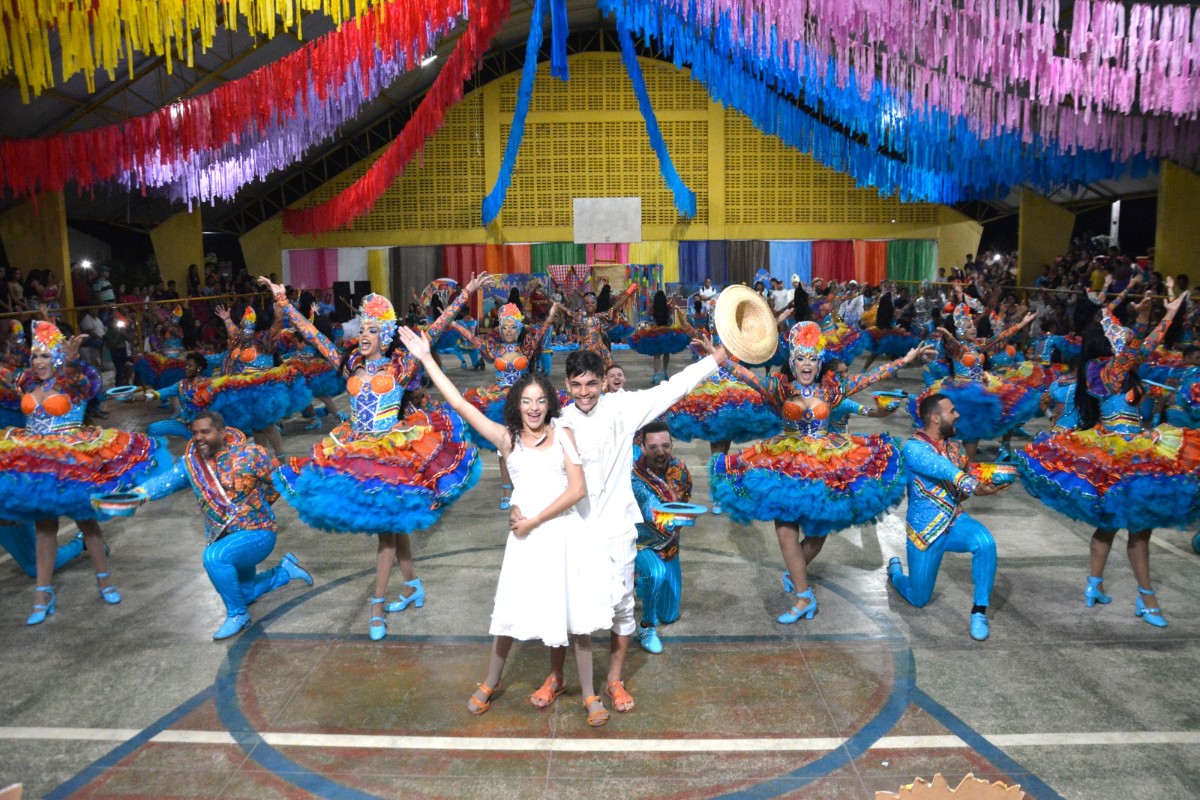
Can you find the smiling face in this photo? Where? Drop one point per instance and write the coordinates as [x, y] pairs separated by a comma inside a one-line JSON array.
[[614, 379], [534, 406], [369, 340], [584, 390], [806, 367], [42, 364], [659, 449], [509, 332], [209, 439], [589, 303]]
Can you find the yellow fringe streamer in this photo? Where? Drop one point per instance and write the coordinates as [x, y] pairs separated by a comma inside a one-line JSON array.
[[95, 34]]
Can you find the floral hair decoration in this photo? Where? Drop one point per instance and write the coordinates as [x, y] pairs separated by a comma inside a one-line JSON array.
[[47, 338], [510, 312], [378, 310], [806, 339]]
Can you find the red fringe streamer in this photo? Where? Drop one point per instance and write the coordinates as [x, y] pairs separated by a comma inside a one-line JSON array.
[[486, 18], [242, 107]]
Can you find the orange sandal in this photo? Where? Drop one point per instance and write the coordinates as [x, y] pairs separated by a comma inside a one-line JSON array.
[[477, 706], [547, 694], [596, 718], [622, 700]]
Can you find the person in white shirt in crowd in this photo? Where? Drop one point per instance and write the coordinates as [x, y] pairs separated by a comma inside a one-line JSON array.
[[780, 297], [91, 348], [851, 309], [604, 426], [708, 294]]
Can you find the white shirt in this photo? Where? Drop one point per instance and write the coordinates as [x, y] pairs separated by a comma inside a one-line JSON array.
[[852, 309], [92, 324], [780, 299], [604, 438]]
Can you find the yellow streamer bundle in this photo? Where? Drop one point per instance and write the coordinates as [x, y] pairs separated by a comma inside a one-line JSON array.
[[95, 34]]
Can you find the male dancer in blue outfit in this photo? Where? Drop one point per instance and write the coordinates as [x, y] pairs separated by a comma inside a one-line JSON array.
[[232, 482], [936, 524], [658, 478]]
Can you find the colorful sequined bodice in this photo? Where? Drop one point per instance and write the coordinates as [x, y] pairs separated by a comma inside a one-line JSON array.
[[375, 397], [968, 365], [509, 362], [591, 333], [1118, 412], [1045, 345], [54, 414], [809, 421], [1063, 391]]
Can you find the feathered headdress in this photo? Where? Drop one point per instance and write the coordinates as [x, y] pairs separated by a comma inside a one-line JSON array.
[[249, 318], [1116, 333], [47, 338], [16, 332], [177, 313], [510, 312], [806, 339], [378, 310]]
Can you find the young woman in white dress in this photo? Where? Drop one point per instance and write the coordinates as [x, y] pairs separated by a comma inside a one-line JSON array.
[[550, 586]]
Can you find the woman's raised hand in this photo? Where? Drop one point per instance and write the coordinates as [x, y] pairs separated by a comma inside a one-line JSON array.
[[277, 290], [480, 280], [417, 344]]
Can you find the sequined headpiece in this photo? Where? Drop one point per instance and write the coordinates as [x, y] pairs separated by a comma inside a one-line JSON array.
[[805, 339], [510, 312], [1116, 333], [177, 313], [249, 318], [962, 317], [16, 332], [47, 338], [377, 310]]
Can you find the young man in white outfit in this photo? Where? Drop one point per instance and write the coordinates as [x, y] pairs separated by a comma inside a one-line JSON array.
[[604, 426]]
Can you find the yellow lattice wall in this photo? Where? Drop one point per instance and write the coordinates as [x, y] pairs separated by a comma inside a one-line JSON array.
[[586, 138]]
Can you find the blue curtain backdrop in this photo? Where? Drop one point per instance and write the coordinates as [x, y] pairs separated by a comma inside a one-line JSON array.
[[790, 258], [700, 260]]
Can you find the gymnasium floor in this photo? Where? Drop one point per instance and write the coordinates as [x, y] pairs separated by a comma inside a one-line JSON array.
[[137, 701]]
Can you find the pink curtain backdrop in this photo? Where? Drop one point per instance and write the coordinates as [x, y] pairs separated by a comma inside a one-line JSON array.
[[460, 261], [607, 254], [313, 269], [833, 260]]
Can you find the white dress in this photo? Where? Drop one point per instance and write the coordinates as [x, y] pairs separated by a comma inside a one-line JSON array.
[[556, 580]]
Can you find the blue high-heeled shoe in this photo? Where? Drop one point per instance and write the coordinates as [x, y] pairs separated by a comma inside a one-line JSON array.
[[1093, 594], [506, 500], [378, 625], [795, 614], [1151, 615], [417, 598], [109, 594], [43, 610]]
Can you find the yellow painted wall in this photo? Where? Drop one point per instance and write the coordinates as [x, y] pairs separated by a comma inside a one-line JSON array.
[[261, 248], [958, 235], [1043, 233], [1177, 239], [37, 238], [586, 138], [179, 243]]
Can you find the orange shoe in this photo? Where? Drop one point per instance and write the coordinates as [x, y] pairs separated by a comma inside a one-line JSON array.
[[622, 700], [547, 694], [596, 717], [477, 706]]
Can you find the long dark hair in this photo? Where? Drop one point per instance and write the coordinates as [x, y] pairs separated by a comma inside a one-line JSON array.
[[604, 300], [801, 310], [885, 314], [1096, 345], [662, 314], [512, 403]]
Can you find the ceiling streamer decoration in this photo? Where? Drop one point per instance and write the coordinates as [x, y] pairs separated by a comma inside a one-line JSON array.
[[211, 145], [486, 18], [95, 34]]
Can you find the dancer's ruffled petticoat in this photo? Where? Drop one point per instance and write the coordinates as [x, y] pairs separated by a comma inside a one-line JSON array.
[[618, 333], [1163, 367], [251, 401], [822, 483], [1033, 374], [657, 340], [890, 342], [845, 342], [158, 371], [322, 378], [396, 482], [935, 371], [722, 409], [987, 409], [52, 475], [1139, 481]]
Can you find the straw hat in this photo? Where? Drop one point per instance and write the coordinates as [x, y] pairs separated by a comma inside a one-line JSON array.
[[745, 324]]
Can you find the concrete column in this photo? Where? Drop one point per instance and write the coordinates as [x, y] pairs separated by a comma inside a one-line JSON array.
[[179, 243], [1177, 237], [263, 249], [958, 235], [1043, 233]]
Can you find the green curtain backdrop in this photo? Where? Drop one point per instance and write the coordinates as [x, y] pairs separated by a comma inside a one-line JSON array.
[[912, 259], [555, 253]]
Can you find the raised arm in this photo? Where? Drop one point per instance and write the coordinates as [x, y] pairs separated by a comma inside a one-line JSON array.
[[164, 483], [1004, 336], [860, 382], [1118, 367], [534, 337], [285, 310], [768, 388], [418, 347], [437, 330], [231, 330]]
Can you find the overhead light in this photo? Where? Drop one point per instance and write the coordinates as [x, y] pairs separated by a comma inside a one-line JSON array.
[[85, 264], [429, 59]]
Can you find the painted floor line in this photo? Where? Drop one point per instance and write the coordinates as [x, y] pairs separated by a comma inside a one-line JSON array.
[[616, 745]]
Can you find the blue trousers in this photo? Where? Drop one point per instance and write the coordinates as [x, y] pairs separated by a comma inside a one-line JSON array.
[[231, 562], [659, 584], [966, 535], [169, 427], [20, 540]]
